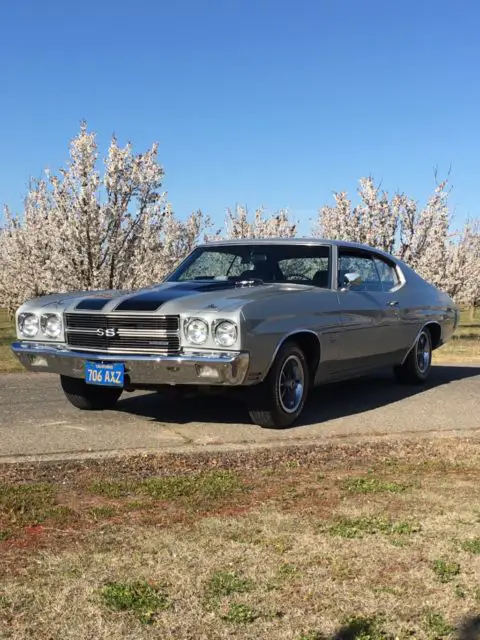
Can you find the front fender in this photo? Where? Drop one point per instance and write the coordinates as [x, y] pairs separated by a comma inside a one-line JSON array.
[[263, 336]]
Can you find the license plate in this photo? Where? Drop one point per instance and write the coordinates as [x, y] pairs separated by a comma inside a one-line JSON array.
[[106, 375]]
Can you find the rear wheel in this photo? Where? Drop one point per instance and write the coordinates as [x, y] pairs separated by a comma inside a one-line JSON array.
[[417, 365], [89, 397], [279, 400]]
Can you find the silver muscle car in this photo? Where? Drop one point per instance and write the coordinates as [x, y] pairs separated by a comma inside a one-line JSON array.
[[274, 316]]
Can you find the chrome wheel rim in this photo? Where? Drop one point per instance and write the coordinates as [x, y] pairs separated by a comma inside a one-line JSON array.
[[423, 352], [291, 384]]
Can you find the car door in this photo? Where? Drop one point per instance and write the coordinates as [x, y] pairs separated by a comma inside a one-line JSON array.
[[313, 266], [392, 299], [369, 314]]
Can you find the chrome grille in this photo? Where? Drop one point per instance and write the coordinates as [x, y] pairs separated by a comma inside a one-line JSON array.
[[123, 334]]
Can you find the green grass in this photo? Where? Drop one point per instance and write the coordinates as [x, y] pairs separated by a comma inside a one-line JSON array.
[[472, 546], [240, 614], [459, 591], [101, 513], [371, 485], [27, 503], [358, 527], [32, 504], [221, 585], [208, 486], [224, 583], [140, 598], [288, 570], [436, 626], [111, 488], [61, 514], [446, 570]]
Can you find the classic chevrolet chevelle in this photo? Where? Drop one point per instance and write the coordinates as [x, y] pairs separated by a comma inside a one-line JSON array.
[[276, 317]]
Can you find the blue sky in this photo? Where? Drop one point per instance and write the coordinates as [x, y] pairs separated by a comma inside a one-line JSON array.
[[252, 101]]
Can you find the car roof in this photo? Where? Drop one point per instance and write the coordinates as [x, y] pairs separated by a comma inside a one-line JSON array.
[[307, 241]]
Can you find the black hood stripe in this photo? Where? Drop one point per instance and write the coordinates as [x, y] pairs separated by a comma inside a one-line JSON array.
[[93, 304], [153, 300]]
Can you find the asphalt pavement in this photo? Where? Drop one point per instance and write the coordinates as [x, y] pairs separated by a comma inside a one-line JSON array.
[[37, 422]]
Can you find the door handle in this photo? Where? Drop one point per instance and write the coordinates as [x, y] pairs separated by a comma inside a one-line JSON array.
[[392, 303]]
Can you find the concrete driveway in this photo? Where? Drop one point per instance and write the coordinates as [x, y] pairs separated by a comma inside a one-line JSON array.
[[37, 422]]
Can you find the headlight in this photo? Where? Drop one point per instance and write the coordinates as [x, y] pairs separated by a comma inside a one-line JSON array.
[[196, 331], [28, 325], [51, 325], [225, 333]]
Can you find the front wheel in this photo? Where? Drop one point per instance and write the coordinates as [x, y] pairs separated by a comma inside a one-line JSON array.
[[89, 397], [417, 365], [279, 400]]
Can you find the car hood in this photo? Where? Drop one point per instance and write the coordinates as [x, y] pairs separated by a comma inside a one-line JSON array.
[[166, 298]]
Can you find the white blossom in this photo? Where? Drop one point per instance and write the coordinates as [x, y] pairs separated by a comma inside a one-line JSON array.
[[419, 236], [463, 265], [373, 221], [82, 231], [239, 225]]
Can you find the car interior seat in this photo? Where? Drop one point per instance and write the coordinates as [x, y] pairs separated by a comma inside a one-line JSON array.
[[264, 271], [320, 279]]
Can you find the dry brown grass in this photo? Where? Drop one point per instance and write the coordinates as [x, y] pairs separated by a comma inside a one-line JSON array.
[[287, 545], [465, 344], [8, 362]]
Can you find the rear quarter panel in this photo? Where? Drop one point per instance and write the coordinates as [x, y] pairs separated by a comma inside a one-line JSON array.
[[421, 303]]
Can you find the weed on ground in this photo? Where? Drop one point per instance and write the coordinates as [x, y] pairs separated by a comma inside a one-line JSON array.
[[143, 599]]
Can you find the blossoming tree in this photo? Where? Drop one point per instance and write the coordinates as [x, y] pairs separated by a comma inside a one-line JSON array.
[[420, 236], [84, 229], [80, 230]]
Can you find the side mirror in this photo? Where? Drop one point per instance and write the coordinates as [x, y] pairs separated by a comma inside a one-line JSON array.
[[351, 279]]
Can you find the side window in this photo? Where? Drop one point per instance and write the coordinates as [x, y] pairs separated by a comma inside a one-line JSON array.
[[363, 264], [387, 274]]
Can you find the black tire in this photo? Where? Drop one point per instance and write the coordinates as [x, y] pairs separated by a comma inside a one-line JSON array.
[[89, 397], [267, 406], [417, 365]]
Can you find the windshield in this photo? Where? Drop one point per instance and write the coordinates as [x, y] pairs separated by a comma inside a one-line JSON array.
[[299, 264]]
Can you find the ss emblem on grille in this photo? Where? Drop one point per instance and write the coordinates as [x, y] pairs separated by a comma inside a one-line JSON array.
[[110, 333]]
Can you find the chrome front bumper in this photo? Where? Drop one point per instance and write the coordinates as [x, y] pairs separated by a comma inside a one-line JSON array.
[[210, 368]]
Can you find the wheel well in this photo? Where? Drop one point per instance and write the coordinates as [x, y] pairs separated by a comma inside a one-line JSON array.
[[435, 333], [310, 345]]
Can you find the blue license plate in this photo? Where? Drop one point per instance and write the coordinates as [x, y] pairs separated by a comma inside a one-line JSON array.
[[106, 375]]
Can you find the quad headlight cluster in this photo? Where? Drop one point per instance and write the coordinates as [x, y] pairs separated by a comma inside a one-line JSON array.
[[197, 331], [46, 325]]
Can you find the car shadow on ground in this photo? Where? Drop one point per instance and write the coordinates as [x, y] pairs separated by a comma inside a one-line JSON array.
[[469, 629], [327, 402]]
